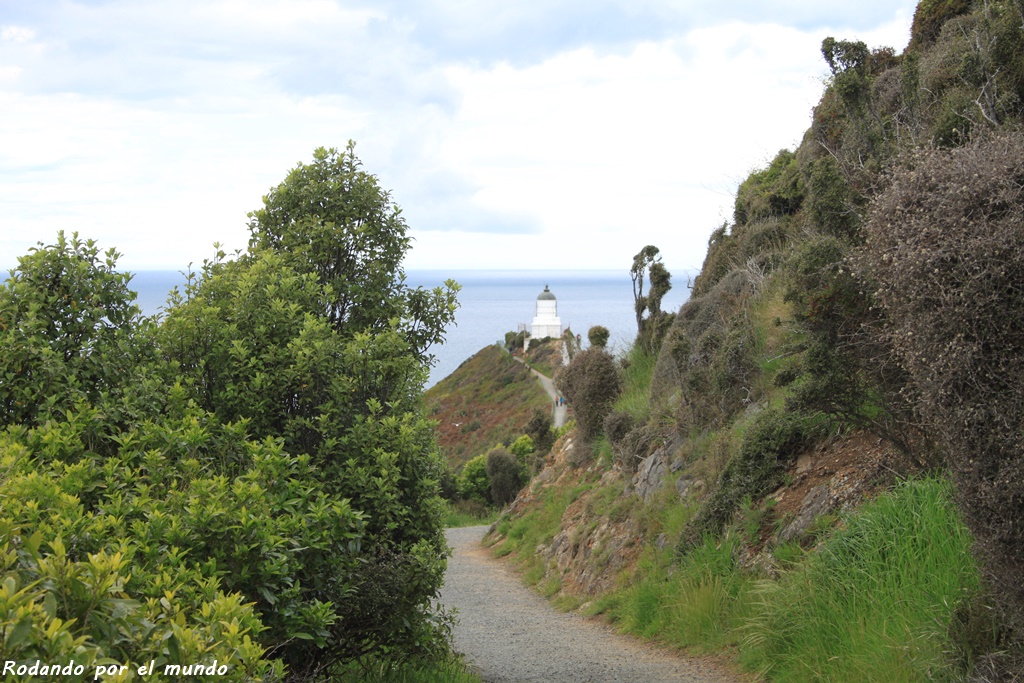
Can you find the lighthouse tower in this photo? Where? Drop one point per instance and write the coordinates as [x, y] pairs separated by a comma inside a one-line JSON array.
[[545, 321]]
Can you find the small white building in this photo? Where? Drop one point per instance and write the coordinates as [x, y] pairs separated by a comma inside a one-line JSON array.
[[546, 322]]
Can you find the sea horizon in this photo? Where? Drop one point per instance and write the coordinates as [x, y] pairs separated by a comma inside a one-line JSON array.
[[491, 303]]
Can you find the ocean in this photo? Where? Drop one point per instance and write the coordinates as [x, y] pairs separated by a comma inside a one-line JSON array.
[[492, 303]]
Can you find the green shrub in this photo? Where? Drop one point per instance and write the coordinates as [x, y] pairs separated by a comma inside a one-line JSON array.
[[929, 17], [505, 474], [774, 191], [474, 482], [259, 459], [590, 383], [539, 429], [849, 372], [69, 330], [770, 443], [598, 336], [719, 261], [831, 203]]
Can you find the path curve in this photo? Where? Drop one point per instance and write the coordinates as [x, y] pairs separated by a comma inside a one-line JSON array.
[[558, 409], [510, 634]]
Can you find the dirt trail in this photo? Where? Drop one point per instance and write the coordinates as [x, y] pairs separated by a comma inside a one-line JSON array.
[[512, 635]]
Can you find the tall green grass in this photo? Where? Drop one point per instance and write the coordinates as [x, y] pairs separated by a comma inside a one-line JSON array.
[[875, 602], [635, 396], [698, 603]]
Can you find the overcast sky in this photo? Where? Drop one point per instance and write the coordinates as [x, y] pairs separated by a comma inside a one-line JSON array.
[[513, 133]]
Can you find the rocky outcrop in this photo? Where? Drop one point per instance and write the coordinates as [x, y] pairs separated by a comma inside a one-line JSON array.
[[817, 502]]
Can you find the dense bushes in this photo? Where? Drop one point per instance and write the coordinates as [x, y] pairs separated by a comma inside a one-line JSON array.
[[706, 360], [945, 243], [152, 534], [259, 460], [598, 336], [505, 476]]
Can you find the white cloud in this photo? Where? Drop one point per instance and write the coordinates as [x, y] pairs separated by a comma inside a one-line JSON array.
[[632, 148], [16, 34], [540, 139]]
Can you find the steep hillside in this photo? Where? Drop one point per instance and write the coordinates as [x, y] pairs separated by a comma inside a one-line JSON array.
[[488, 400], [778, 475]]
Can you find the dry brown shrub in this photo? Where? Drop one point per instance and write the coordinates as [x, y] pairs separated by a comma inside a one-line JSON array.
[[946, 245], [590, 383]]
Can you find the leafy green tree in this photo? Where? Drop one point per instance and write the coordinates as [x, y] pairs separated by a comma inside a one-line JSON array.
[[330, 218], [473, 481], [522, 448], [312, 338]]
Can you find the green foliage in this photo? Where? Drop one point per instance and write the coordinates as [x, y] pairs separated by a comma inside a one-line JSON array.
[[383, 670], [849, 371], [703, 369], [700, 602], [514, 341], [259, 459], [540, 431], [505, 474], [522, 448], [651, 321], [829, 199], [331, 219], [67, 320], [474, 483], [526, 455], [770, 443], [945, 246], [463, 513], [929, 17], [774, 191]]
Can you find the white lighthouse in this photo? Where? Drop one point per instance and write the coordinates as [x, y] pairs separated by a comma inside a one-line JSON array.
[[545, 321]]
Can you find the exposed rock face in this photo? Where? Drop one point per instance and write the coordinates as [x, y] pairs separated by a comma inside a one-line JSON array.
[[687, 486], [649, 475], [591, 547], [651, 472], [587, 558], [817, 502]]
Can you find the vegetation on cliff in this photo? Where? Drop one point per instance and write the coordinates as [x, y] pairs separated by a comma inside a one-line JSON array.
[[852, 335]]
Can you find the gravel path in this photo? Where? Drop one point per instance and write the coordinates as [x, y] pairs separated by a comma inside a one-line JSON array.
[[512, 635]]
